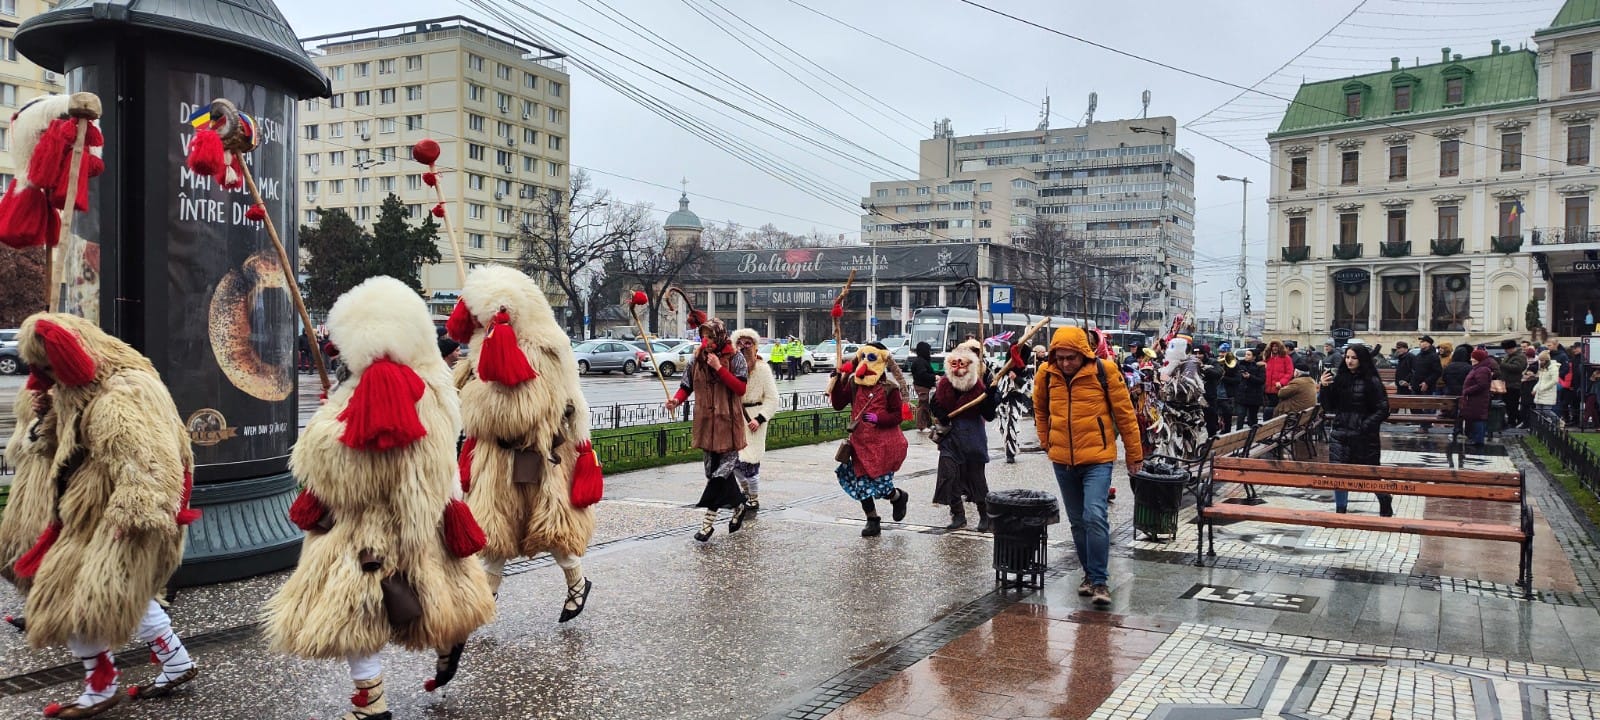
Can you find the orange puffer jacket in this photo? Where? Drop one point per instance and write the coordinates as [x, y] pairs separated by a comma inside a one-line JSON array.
[[1075, 424]]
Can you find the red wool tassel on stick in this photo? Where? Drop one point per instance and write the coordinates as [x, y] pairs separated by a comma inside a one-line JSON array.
[[426, 151], [588, 484], [25, 217], [837, 311], [503, 362], [696, 319], [206, 154], [28, 565], [306, 512], [464, 461], [461, 324], [187, 515], [430, 179], [382, 414], [72, 364], [438, 210], [256, 213], [462, 536], [47, 167]]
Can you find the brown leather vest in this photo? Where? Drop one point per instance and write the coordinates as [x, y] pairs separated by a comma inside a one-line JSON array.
[[718, 412]]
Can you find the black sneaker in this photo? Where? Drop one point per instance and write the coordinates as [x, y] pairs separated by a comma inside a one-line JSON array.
[[899, 504], [873, 528]]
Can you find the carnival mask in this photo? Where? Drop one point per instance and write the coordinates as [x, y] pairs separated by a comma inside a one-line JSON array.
[[871, 363]]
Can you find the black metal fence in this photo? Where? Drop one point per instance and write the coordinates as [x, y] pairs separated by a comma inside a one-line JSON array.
[[621, 415], [1578, 457], [667, 440]]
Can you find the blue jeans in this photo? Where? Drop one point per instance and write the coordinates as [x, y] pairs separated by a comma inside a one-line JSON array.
[[1477, 430], [1085, 490]]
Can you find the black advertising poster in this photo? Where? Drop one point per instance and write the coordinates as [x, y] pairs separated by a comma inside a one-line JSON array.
[[232, 323], [899, 262]]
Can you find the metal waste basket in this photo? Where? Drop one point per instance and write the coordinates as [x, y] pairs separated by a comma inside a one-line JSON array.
[[1021, 521], [1157, 494]]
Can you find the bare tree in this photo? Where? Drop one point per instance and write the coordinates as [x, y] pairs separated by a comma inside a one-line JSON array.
[[571, 236], [721, 237], [654, 263]]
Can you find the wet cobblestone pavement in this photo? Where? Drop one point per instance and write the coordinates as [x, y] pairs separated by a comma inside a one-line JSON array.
[[797, 616]]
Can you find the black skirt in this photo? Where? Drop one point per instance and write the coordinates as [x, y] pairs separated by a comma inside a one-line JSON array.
[[721, 491]]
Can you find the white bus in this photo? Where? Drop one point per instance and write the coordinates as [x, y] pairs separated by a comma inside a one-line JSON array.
[[942, 328]]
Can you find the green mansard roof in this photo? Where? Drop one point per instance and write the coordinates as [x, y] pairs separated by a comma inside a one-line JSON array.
[[1574, 14], [1503, 79]]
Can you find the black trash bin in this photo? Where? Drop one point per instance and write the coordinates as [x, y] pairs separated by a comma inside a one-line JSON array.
[[1021, 518], [1157, 494]]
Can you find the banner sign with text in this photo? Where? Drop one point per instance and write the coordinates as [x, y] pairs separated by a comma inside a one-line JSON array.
[[833, 264]]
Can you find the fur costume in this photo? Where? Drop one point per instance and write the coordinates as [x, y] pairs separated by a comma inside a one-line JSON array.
[[42, 135], [719, 428], [963, 438], [760, 405], [523, 410], [877, 446], [103, 482], [380, 503]]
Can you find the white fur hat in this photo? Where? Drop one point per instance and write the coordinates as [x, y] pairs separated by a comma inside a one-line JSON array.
[[382, 317], [746, 333]]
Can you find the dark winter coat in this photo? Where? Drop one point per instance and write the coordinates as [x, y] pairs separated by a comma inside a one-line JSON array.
[[1404, 368], [1211, 374], [922, 374], [1355, 408], [1512, 367], [1455, 375], [1475, 392], [1425, 370], [1252, 389]]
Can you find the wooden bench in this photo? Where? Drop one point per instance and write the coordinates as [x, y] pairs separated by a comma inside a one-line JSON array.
[[1424, 409], [1268, 437], [1423, 482], [1387, 376]]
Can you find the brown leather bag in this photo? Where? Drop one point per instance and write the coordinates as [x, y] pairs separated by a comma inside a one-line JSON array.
[[401, 604]]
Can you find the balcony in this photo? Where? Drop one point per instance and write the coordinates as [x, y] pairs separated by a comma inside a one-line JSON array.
[[1395, 249], [1347, 252], [1294, 254], [1566, 235], [1507, 244], [1447, 246]]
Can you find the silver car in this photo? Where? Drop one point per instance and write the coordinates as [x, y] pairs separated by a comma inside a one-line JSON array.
[[603, 356]]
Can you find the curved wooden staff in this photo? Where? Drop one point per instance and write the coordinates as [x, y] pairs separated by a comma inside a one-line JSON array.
[[84, 109], [977, 291], [1009, 366], [640, 298], [837, 311], [426, 151], [694, 317]]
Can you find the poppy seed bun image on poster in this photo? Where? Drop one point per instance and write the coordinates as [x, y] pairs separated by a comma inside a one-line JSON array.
[[252, 361]]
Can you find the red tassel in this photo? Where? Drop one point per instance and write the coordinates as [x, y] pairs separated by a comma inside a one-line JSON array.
[[588, 483], [104, 673], [306, 512], [71, 364], [430, 179], [461, 324], [88, 166], [696, 319], [256, 213], [905, 410], [232, 177], [187, 515], [837, 311], [502, 361], [383, 411], [28, 565], [639, 298], [438, 210], [52, 710], [47, 167], [465, 462], [25, 217], [361, 698], [206, 154], [330, 350], [52, 227], [426, 151], [462, 536], [39, 382]]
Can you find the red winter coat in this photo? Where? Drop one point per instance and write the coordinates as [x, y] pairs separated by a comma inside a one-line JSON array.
[[880, 447], [1280, 370], [1475, 393]]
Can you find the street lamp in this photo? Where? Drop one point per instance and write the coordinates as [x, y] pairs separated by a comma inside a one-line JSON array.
[[1244, 216]]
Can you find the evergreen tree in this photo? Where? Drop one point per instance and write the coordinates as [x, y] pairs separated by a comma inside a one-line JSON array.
[[340, 255], [400, 250]]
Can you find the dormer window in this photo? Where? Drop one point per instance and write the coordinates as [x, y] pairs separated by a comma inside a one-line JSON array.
[[1405, 87], [1455, 84], [1352, 104]]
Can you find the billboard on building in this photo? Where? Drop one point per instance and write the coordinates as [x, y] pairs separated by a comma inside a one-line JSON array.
[[833, 264]]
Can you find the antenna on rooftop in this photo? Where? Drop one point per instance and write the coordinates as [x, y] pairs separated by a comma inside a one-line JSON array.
[[1145, 111], [1044, 112], [1094, 102]]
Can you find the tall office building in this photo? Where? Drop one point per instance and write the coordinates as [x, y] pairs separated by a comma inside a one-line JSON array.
[[497, 104], [20, 80], [1121, 188]]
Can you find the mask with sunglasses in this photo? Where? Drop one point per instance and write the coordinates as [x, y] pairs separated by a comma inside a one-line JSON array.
[[871, 363]]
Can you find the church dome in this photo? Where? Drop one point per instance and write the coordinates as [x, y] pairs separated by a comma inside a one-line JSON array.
[[683, 218]]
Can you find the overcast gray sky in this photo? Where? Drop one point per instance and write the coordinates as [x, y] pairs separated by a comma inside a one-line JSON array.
[[1243, 41]]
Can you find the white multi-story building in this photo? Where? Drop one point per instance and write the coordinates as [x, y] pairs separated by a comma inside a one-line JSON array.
[[1122, 187], [1441, 199], [497, 104], [20, 80]]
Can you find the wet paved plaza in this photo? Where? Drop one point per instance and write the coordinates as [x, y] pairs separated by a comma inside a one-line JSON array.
[[797, 616]]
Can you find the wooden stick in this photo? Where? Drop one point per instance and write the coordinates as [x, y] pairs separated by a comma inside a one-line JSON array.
[[1009, 366], [289, 276], [51, 267], [838, 339], [449, 232], [638, 323]]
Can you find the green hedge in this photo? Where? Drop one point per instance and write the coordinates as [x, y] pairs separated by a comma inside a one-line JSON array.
[[637, 448]]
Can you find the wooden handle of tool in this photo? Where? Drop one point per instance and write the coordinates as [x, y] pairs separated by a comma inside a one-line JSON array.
[[289, 277]]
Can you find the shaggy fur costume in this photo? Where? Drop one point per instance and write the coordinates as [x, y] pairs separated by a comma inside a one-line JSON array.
[[389, 503], [760, 401], [547, 415], [120, 538]]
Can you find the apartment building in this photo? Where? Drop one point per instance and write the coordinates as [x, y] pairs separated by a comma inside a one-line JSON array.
[[497, 104], [1441, 199], [20, 80], [1121, 187]]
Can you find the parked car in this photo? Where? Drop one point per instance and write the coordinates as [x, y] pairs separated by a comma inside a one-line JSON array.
[[673, 358], [820, 356], [10, 362], [603, 356], [8, 338]]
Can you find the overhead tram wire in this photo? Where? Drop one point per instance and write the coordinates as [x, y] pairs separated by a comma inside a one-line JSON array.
[[916, 124], [751, 156], [1291, 60], [925, 58], [653, 38], [488, 6], [1208, 78]]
